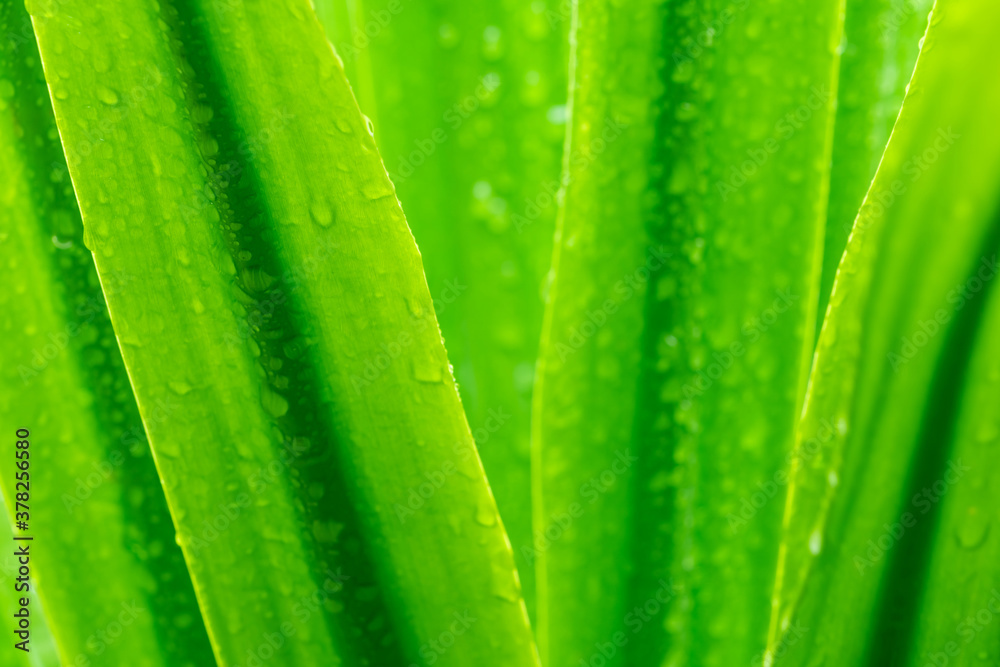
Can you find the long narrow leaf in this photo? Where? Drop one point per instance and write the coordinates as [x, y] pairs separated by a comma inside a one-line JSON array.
[[243, 187], [958, 619], [890, 431], [113, 579], [681, 323], [469, 100], [881, 41]]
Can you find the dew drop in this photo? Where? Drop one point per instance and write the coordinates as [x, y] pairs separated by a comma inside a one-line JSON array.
[[295, 348], [168, 447], [179, 387], [427, 371], [557, 115], [321, 213], [482, 190], [492, 44], [486, 516], [273, 403], [201, 113], [377, 188], [973, 529], [815, 542], [327, 531], [533, 91], [415, 307], [107, 95], [447, 36], [209, 146]]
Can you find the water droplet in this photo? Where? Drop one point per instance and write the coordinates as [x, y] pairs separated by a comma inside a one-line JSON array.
[[536, 23], [428, 371], [973, 528], [256, 279], [415, 307], [524, 377], [486, 516], [107, 95], [321, 213], [557, 115], [482, 190], [815, 542], [167, 447], [201, 113], [273, 403], [179, 387], [447, 35], [295, 348], [209, 146], [533, 92], [492, 43], [377, 188], [327, 531]]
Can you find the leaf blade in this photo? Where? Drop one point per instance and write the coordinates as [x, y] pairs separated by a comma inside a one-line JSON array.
[[866, 385], [880, 50], [700, 360], [244, 209], [465, 126], [95, 482]]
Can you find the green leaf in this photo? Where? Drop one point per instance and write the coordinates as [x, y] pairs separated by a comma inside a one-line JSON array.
[[320, 470], [905, 362], [680, 328], [103, 548], [881, 41], [470, 100], [965, 547]]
